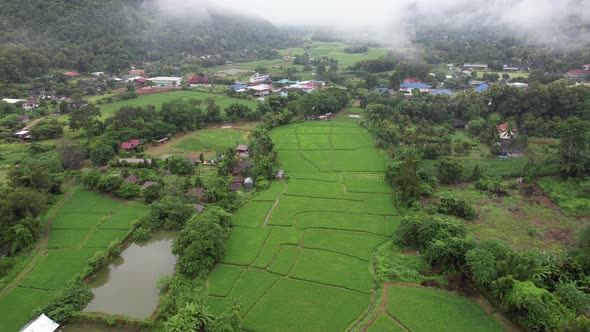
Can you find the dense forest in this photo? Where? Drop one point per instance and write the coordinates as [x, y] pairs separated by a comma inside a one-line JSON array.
[[37, 36]]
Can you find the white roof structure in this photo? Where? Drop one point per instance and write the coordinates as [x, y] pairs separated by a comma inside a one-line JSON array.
[[22, 132], [40, 324], [12, 101]]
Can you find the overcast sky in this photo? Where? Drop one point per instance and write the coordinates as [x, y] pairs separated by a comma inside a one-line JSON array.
[[533, 19]]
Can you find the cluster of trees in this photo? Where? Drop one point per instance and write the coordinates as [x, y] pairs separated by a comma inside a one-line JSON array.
[[111, 35], [541, 291], [30, 188], [356, 49]]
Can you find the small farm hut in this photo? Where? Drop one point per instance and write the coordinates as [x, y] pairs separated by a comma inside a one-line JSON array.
[[248, 183]]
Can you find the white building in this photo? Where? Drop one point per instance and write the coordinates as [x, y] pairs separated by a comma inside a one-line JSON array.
[[30, 104], [98, 73], [259, 78], [40, 324], [12, 101], [261, 90], [166, 81]]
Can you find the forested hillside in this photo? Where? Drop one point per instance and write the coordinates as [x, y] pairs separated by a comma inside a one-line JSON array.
[[91, 35]]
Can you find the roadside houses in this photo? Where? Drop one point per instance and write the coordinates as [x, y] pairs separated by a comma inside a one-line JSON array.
[[131, 179], [30, 104], [148, 184], [131, 145], [242, 148]]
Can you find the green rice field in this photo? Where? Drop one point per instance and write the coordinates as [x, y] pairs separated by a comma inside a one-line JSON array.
[[299, 256], [86, 223], [422, 309]]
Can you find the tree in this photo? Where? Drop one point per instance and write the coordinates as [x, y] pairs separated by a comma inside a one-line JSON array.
[[101, 152], [403, 175], [179, 165], [47, 129], [192, 318], [200, 245], [449, 170], [84, 117], [574, 147]]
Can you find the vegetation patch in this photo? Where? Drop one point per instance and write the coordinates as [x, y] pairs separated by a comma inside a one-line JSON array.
[[80, 221], [250, 287], [125, 217], [314, 188], [102, 238], [290, 206], [19, 304]]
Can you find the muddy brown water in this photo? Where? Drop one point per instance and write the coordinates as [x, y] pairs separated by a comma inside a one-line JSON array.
[[128, 286]]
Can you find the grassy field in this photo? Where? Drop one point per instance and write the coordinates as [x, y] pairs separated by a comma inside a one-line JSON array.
[[81, 227], [525, 219], [316, 50], [206, 141], [570, 196], [425, 310], [159, 98], [310, 259]]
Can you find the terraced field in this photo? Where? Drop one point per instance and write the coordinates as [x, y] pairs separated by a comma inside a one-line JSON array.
[[299, 257], [85, 224]]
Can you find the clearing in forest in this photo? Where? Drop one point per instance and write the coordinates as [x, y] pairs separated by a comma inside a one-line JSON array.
[[86, 223]]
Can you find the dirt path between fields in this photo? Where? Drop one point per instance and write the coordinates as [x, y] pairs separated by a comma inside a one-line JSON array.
[[40, 248], [274, 205], [34, 122]]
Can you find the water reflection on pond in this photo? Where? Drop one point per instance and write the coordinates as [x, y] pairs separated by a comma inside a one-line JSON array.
[[128, 286]]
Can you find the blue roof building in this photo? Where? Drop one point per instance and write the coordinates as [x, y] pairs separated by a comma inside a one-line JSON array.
[[483, 87], [415, 86], [442, 92], [237, 87]]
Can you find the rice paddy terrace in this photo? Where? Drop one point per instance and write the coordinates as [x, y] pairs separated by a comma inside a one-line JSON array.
[[300, 255]]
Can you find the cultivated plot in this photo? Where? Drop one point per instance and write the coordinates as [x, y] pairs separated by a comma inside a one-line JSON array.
[[299, 258]]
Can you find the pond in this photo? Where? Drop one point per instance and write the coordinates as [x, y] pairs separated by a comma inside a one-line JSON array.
[[128, 286]]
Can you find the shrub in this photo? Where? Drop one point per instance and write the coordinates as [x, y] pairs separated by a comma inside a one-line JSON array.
[[449, 171], [492, 186], [129, 190], [163, 283], [142, 235], [110, 183], [455, 207], [64, 303]]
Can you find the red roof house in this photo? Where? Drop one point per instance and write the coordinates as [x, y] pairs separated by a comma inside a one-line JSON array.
[[503, 131], [577, 74], [412, 80], [148, 184], [198, 80], [131, 144], [72, 73]]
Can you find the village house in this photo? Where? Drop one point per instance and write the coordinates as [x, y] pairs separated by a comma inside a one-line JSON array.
[[482, 87], [442, 92], [259, 78], [166, 81], [261, 90], [242, 148], [131, 145], [577, 75], [199, 208], [384, 90], [40, 324], [510, 69], [71, 74], [148, 184], [131, 179], [505, 132], [238, 87], [163, 141], [195, 193], [236, 186], [37, 93], [135, 161], [30, 105], [407, 88], [196, 81], [475, 66], [23, 135], [411, 80]]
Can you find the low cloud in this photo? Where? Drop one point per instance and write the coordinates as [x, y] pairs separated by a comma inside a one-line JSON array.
[[393, 22]]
